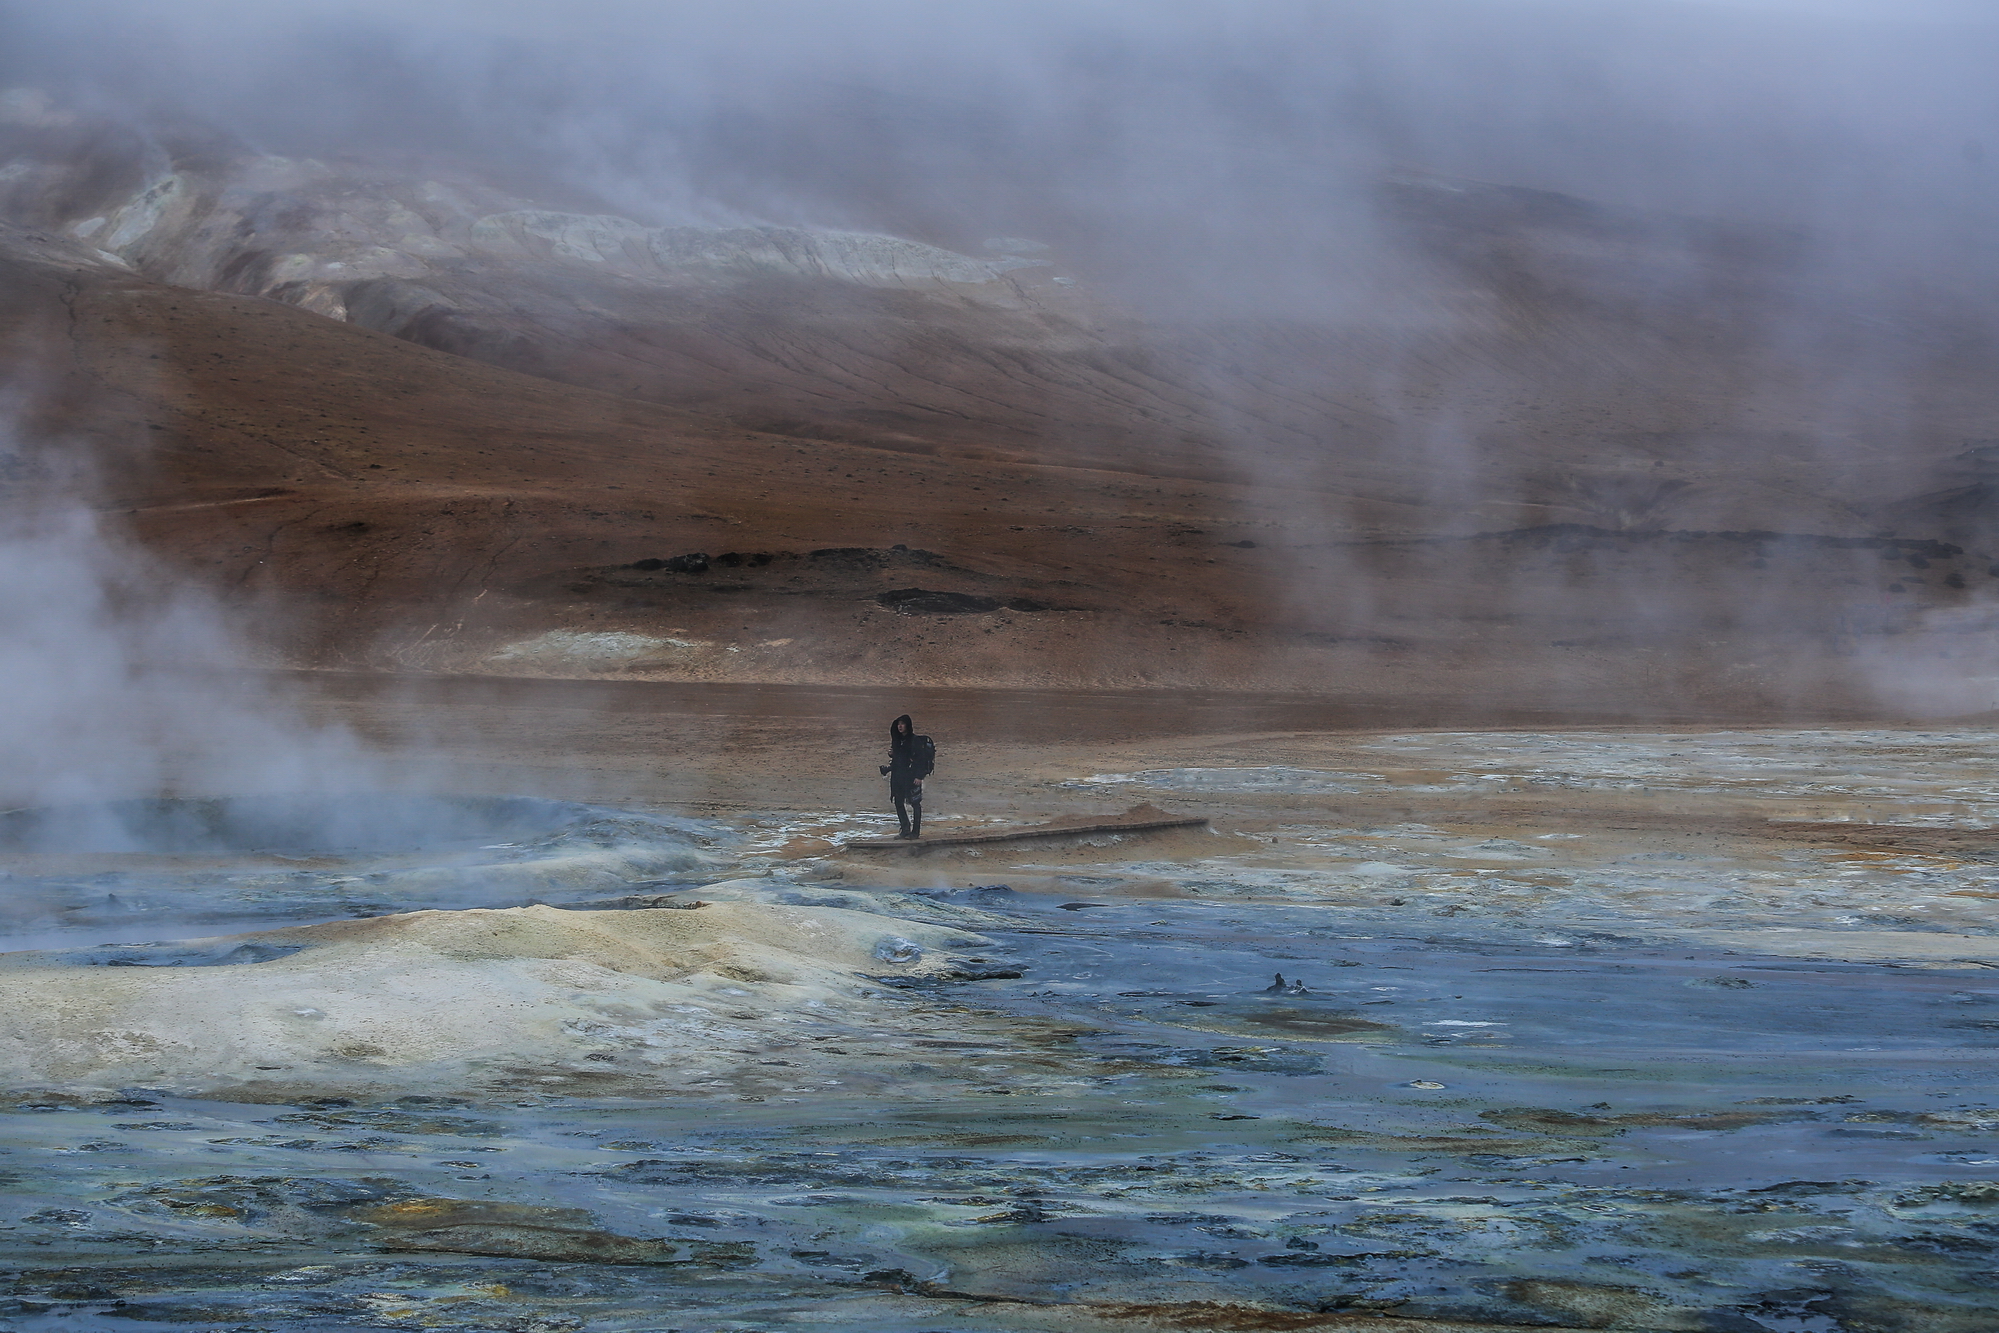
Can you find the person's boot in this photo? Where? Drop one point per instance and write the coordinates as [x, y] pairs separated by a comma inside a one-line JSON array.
[[916, 822]]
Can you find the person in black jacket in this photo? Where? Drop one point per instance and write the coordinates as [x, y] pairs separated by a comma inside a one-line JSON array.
[[905, 777]]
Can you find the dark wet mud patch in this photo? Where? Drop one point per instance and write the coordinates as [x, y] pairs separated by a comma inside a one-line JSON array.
[[1158, 1058], [169, 868], [563, 1235], [1358, 1315], [301, 825], [298, 1206], [564, 1245], [927, 602], [1571, 1124], [1592, 1305], [1257, 1017], [388, 1120], [1468, 1142], [163, 953], [1316, 1026], [1975, 1194]]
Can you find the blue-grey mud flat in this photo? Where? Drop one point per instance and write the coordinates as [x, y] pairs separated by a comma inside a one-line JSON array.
[[1685, 1028]]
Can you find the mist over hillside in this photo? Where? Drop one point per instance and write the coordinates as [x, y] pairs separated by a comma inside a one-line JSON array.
[[1694, 297]]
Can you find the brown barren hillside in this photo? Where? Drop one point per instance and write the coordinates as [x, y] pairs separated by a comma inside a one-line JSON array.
[[423, 508], [1561, 452]]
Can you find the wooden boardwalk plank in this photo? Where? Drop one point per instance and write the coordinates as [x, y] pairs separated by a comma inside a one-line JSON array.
[[1122, 824]]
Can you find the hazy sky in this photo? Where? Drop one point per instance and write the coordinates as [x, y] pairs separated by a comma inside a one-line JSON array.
[[1213, 126]]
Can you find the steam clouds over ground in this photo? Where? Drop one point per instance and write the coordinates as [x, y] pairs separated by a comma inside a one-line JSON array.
[[1422, 270], [118, 680], [1204, 152]]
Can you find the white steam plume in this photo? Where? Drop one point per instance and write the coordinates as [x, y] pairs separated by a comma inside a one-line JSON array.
[[118, 681]]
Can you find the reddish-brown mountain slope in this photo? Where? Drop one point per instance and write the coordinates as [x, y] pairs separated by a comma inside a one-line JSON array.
[[423, 424]]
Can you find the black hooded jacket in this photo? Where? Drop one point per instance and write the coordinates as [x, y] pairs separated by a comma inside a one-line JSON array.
[[902, 752]]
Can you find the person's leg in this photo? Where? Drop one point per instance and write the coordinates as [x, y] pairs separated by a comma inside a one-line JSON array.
[[916, 811], [901, 809]]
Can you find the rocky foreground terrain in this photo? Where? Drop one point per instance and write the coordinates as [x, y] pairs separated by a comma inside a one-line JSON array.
[[423, 420]]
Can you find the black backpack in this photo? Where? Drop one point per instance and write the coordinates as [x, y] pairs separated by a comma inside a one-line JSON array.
[[922, 757]]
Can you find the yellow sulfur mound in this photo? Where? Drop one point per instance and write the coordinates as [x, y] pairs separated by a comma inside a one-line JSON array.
[[471, 1000]]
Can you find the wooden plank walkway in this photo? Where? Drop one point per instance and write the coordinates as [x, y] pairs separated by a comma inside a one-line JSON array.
[[1136, 822]]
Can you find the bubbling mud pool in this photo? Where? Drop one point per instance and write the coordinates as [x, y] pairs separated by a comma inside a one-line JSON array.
[[1666, 1043]]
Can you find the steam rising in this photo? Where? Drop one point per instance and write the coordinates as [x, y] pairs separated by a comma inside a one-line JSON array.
[[121, 681], [1349, 233], [1171, 126], [1202, 161]]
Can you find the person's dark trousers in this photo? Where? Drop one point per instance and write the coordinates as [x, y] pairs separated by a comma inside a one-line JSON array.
[[908, 798]]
